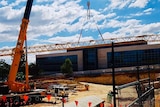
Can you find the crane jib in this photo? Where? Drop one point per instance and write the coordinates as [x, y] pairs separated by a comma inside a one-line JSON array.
[[28, 9]]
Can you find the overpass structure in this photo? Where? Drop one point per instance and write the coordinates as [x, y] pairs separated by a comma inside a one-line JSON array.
[[56, 47]]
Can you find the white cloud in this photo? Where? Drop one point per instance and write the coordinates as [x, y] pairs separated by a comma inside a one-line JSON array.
[[48, 20], [3, 2], [7, 33], [51, 19], [152, 27], [144, 12], [110, 15], [8, 59], [118, 24], [148, 11], [139, 3], [45, 20], [10, 14], [132, 28], [31, 58], [42, 1], [9, 23], [63, 40], [119, 4], [17, 3]]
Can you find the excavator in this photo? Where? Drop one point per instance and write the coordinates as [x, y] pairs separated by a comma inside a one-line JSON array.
[[12, 89]]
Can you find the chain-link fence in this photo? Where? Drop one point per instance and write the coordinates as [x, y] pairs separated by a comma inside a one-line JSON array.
[[135, 94], [145, 100], [126, 96]]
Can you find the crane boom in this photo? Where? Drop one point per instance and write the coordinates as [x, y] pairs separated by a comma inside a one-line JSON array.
[[15, 86], [154, 38]]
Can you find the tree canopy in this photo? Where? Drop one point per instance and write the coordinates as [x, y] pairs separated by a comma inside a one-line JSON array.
[[34, 69], [4, 69], [66, 68]]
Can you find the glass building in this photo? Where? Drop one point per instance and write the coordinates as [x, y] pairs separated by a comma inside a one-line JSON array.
[[135, 58], [127, 54], [53, 64], [90, 59]]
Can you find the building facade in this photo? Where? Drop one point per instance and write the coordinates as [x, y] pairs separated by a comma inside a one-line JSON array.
[[126, 54]]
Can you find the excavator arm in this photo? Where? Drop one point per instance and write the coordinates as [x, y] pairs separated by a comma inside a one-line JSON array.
[[18, 51]]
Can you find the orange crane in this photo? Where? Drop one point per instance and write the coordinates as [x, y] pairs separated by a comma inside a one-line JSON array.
[[12, 84], [20, 91]]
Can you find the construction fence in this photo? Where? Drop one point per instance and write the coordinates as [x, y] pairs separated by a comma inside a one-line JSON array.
[[135, 94]]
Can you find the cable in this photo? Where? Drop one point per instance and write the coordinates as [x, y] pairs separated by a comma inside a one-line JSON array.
[[88, 18]]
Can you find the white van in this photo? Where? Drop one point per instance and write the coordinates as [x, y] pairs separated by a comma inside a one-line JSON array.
[[59, 90]]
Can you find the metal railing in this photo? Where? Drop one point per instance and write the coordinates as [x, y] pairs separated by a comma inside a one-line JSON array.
[[147, 99]]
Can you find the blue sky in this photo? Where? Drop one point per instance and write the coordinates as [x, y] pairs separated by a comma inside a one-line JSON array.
[[60, 21]]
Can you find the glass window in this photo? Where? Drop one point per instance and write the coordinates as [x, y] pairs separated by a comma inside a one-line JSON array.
[[90, 59], [53, 64], [134, 58]]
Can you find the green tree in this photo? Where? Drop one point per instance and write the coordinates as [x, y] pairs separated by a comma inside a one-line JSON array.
[[4, 69], [20, 76], [34, 69], [66, 68], [22, 64]]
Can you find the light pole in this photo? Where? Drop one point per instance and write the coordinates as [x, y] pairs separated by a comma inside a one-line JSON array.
[[149, 83], [113, 76], [138, 79], [149, 76]]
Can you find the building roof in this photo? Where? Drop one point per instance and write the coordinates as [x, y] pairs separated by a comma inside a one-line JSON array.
[[138, 42], [83, 102]]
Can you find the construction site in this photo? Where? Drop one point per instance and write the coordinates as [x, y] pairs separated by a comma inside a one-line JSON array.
[[115, 72]]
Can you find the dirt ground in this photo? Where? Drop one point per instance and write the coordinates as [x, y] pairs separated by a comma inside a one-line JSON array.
[[124, 97], [157, 98], [98, 90]]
